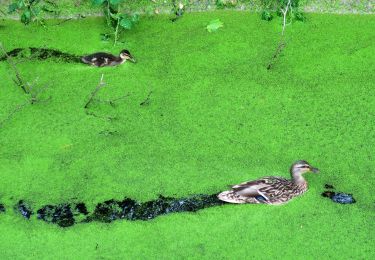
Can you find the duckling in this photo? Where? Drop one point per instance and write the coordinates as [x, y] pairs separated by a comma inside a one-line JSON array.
[[101, 59], [270, 190]]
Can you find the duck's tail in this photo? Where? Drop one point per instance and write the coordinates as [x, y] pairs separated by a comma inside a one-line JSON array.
[[231, 197]]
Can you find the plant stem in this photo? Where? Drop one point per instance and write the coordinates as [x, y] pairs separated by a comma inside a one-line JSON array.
[[93, 94], [19, 81], [281, 44], [116, 31]]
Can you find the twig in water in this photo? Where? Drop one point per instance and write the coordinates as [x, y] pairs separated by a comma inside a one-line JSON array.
[[34, 98], [19, 80], [109, 118], [281, 44], [14, 111], [96, 90], [112, 102], [63, 21], [147, 100]]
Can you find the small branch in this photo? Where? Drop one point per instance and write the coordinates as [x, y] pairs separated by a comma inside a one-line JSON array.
[[13, 112], [112, 101], [281, 44], [63, 21], [108, 118], [147, 100], [96, 90], [19, 80], [117, 26], [279, 49], [285, 12], [34, 98]]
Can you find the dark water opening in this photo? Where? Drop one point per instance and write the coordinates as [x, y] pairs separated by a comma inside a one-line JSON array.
[[41, 54], [68, 214]]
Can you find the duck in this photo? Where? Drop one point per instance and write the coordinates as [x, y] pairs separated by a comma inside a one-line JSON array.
[[271, 190], [101, 59]]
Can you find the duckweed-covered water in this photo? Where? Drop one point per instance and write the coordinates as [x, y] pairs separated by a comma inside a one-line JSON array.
[[216, 116]]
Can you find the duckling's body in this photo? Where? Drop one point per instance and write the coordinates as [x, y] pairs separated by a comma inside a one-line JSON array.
[[101, 59], [272, 189]]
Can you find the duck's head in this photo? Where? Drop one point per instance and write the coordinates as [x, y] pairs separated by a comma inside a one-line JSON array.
[[300, 167], [125, 55]]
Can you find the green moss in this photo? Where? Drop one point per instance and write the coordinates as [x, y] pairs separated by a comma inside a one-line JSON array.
[[216, 116]]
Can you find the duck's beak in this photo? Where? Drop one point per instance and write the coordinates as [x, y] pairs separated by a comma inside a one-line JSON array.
[[314, 170]]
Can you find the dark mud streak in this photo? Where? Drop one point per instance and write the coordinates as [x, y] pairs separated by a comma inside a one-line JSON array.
[[68, 214], [42, 54]]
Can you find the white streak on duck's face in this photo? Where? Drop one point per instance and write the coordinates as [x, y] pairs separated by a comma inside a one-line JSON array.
[[301, 167]]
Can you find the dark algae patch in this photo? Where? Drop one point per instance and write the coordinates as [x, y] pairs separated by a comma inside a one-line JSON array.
[[67, 214], [129, 209], [2, 208], [41, 54], [25, 209], [62, 215], [338, 197]]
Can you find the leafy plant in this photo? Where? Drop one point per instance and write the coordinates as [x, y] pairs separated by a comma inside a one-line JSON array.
[[276, 6], [266, 15], [178, 10], [214, 25], [226, 3], [31, 10], [116, 20]]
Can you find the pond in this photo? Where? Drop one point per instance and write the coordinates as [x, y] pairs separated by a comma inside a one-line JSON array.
[[198, 111]]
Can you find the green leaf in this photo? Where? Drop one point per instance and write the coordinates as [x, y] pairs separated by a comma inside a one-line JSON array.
[[26, 17], [12, 7], [104, 37], [115, 16], [135, 18], [21, 4], [126, 23], [98, 2], [214, 25], [35, 10], [266, 15], [299, 16]]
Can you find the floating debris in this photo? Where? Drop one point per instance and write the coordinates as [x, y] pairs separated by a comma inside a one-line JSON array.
[[343, 198], [338, 197], [24, 209]]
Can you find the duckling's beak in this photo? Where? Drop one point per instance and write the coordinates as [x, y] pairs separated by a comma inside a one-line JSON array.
[[131, 58], [314, 170]]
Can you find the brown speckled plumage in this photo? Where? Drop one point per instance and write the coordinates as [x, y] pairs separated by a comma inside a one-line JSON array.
[[270, 190]]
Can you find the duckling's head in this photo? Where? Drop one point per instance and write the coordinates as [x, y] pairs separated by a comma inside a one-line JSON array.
[[300, 167], [125, 55]]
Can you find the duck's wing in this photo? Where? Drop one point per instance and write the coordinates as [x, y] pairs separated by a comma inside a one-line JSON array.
[[97, 56], [267, 187]]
